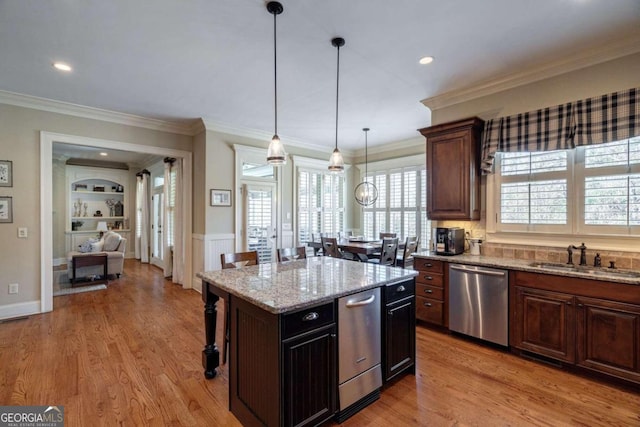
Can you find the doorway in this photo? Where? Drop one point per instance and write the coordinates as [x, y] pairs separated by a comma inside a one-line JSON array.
[[47, 139]]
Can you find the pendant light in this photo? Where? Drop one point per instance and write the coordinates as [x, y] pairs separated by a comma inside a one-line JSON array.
[[366, 193], [276, 155], [336, 163]]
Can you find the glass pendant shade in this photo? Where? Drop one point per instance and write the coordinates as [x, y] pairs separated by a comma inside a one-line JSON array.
[[276, 155], [336, 162]]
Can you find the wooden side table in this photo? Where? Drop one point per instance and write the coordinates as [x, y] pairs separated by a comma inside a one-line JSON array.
[[88, 260]]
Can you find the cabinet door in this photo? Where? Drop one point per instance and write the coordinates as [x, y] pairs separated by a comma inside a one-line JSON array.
[[608, 337], [400, 339], [545, 323], [310, 377], [453, 184]]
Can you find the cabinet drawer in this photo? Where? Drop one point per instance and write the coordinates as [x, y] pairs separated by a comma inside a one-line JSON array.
[[432, 279], [398, 291], [432, 292], [432, 265], [430, 310], [307, 319]]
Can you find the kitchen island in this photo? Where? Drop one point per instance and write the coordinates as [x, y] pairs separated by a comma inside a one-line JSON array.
[[285, 331]]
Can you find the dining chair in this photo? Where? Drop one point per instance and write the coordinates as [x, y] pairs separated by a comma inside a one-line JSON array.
[[410, 246], [291, 254], [233, 260], [330, 247], [388, 235], [388, 253], [239, 259]]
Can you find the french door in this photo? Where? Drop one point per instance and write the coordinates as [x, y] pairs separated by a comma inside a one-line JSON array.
[[259, 212], [156, 227]]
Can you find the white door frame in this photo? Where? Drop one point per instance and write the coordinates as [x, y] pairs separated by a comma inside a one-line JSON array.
[[46, 202]]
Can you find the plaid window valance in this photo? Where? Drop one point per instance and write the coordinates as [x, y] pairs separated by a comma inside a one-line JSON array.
[[596, 120]]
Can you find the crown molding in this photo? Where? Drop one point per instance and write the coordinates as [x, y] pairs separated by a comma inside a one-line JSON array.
[[580, 60], [415, 142], [60, 107], [259, 135]]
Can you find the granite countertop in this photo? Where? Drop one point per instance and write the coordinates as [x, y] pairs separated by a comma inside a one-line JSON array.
[[289, 286], [586, 272]]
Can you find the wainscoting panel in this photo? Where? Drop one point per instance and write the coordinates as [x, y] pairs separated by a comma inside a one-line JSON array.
[[206, 253]]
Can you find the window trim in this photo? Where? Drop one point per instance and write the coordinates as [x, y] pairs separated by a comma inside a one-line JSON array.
[[593, 236]]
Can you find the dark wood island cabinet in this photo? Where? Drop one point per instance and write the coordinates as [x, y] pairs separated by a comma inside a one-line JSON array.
[[283, 342]]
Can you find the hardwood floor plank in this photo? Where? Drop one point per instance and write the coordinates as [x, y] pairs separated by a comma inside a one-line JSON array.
[[131, 355]]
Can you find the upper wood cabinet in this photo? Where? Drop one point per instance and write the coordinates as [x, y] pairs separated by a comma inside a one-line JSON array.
[[453, 173]]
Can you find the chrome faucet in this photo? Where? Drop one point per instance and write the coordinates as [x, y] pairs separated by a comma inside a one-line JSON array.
[[583, 254]]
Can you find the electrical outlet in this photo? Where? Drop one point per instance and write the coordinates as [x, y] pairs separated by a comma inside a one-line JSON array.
[[13, 288], [22, 232]]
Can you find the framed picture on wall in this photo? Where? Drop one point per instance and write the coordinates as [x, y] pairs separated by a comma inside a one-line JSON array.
[[6, 173], [6, 209], [220, 197]]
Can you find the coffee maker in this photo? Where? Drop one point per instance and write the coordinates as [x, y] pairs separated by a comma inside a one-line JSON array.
[[449, 240]]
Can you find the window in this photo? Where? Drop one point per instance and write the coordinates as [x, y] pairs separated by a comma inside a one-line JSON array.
[[321, 203], [401, 205], [589, 190]]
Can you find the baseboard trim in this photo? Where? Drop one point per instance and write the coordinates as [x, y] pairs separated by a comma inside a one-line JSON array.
[[19, 309]]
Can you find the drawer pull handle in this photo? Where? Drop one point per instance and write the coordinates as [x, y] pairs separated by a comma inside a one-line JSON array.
[[401, 288], [428, 277], [429, 264], [427, 304], [428, 291], [310, 316]]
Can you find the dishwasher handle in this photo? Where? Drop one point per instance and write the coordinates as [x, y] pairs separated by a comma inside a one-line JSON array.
[[477, 271], [351, 303]]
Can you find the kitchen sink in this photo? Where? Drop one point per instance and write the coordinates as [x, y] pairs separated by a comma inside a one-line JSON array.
[[605, 272]]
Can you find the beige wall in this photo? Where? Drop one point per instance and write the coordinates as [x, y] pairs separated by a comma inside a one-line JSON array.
[[20, 142], [611, 76]]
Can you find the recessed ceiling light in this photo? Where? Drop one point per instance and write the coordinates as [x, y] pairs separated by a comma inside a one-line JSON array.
[[103, 154], [426, 60], [62, 66]]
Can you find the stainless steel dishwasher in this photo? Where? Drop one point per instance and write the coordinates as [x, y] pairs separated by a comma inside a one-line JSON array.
[[359, 347], [479, 302]]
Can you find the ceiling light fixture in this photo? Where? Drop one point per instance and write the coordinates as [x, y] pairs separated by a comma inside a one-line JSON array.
[[62, 66], [276, 155], [336, 163], [104, 154], [426, 60], [366, 193]]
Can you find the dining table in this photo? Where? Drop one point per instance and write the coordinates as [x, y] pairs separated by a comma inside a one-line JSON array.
[[359, 246]]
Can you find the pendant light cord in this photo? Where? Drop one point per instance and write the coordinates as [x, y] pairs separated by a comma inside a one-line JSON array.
[[337, 93], [275, 75], [366, 157]]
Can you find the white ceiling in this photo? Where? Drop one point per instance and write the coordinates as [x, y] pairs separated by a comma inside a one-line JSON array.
[[179, 60]]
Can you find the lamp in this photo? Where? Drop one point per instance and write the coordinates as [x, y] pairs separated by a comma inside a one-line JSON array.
[[275, 154], [102, 227], [336, 162], [366, 193]]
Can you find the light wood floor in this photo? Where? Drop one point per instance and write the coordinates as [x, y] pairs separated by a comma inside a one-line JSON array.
[[130, 355]]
